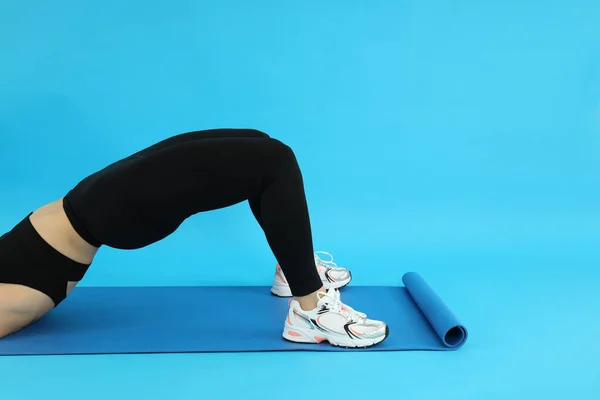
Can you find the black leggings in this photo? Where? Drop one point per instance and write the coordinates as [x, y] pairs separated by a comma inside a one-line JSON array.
[[144, 198]]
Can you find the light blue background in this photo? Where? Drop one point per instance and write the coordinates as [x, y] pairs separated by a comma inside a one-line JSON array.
[[459, 139]]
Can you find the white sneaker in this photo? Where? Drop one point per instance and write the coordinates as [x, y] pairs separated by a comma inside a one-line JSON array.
[[331, 275], [334, 322]]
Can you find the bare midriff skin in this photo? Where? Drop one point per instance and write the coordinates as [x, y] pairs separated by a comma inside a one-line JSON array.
[[21, 305]]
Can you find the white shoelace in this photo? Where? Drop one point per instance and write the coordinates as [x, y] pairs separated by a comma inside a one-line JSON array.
[[325, 263], [335, 304]]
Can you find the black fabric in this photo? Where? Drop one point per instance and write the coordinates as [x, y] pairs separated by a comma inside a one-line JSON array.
[[26, 259], [144, 198]]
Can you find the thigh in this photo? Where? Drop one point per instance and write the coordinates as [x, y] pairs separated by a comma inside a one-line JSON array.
[[141, 200], [198, 176]]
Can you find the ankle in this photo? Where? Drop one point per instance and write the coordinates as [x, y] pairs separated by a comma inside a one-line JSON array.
[[309, 302]]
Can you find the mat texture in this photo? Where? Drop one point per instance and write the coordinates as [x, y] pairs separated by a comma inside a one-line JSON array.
[[122, 320]]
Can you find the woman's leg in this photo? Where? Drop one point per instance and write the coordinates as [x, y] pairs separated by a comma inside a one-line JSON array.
[[213, 134], [224, 172], [143, 199], [254, 202]]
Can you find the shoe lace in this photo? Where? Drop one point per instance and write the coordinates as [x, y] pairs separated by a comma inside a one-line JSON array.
[[336, 305], [325, 263]]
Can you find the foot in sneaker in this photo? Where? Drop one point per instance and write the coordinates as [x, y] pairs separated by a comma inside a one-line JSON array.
[[334, 322], [331, 275]]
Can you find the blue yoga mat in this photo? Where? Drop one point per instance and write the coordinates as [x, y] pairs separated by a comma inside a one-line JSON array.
[[125, 320]]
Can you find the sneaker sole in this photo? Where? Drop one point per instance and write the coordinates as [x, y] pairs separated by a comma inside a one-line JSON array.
[[335, 344]]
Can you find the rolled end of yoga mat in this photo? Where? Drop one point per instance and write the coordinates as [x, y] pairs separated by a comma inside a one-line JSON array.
[[447, 326]]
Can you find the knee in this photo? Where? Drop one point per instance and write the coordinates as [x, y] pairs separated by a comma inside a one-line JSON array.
[[283, 156], [282, 151]]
